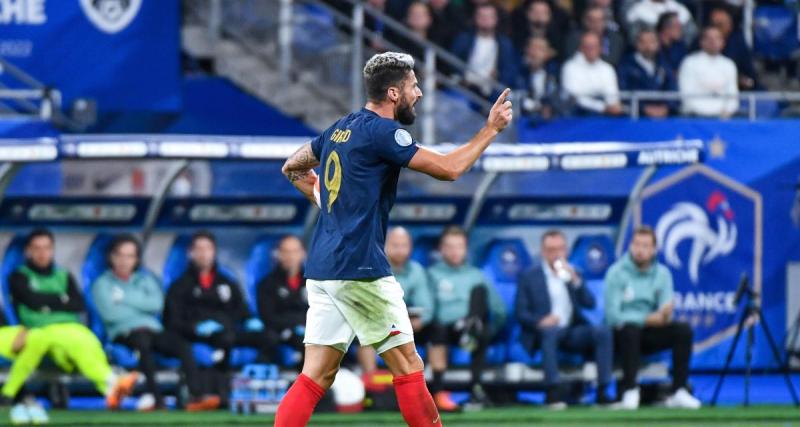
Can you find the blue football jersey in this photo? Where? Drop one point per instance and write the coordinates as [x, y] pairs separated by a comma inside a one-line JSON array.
[[360, 158]]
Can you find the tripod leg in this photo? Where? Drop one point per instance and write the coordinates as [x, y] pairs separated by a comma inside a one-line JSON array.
[[729, 357], [776, 354]]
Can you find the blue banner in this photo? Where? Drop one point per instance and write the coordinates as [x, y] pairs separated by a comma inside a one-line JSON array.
[[122, 53]]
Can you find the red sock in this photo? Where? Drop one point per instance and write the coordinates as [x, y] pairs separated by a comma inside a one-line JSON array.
[[297, 406], [416, 403]]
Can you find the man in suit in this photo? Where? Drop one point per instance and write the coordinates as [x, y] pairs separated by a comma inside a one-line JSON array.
[[549, 298]]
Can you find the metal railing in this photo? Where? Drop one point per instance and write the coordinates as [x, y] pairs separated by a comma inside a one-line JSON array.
[[750, 99], [30, 99]]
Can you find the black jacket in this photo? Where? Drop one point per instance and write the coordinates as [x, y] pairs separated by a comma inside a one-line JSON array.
[[188, 304], [533, 304], [279, 307]]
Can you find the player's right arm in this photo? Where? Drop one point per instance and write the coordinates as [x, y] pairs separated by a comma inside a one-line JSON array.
[[299, 170], [450, 166]]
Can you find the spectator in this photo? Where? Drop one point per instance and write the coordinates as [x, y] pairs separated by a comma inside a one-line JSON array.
[[647, 12], [469, 312], [707, 79], [488, 54], [417, 292], [448, 21], [48, 299], [612, 44], [129, 302], [503, 19], [536, 20], [735, 47], [638, 305], [646, 70], [282, 299], [539, 79], [672, 46], [418, 19], [549, 299], [591, 81], [206, 305]]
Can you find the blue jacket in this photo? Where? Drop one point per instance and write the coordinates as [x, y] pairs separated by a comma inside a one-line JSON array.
[[506, 55], [533, 304], [632, 76], [673, 55]]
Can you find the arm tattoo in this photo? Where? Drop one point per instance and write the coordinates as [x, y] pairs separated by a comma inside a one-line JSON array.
[[302, 159], [297, 175]]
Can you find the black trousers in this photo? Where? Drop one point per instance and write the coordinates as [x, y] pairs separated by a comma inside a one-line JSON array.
[[226, 339], [146, 342], [450, 335], [633, 341]]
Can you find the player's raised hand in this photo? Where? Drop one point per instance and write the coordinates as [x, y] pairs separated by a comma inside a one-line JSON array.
[[500, 115]]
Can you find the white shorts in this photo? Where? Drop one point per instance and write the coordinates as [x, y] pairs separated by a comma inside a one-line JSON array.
[[374, 311]]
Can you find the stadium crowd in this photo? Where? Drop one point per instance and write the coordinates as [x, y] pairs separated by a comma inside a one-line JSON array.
[[573, 57], [451, 304]]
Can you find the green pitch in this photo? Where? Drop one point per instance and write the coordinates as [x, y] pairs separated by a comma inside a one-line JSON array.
[[772, 416]]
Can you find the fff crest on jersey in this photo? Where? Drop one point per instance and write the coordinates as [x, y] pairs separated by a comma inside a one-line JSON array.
[[709, 232], [111, 16]]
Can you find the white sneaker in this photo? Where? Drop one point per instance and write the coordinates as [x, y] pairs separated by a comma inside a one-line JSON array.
[[36, 412], [146, 403], [682, 399], [19, 414], [630, 400]]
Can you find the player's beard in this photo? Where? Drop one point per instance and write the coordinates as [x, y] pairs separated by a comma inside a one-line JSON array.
[[405, 113]]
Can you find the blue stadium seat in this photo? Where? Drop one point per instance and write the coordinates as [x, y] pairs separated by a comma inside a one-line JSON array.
[[259, 264], [93, 267], [592, 254], [426, 250], [775, 35], [503, 261], [12, 259]]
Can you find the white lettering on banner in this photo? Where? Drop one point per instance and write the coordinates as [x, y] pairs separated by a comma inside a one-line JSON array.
[[16, 48], [716, 302], [29, 12], [661, 157]]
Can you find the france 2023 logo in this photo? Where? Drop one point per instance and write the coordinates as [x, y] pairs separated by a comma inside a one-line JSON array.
[[708, 228]]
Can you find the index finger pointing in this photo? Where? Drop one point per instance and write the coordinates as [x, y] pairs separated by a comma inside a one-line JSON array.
[[502, 98]]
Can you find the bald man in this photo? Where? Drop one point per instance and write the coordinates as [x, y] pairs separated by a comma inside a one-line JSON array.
[[281, 298], [417, 292]]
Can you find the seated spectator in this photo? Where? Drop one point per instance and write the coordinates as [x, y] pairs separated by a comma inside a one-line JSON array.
[[736, 47], [707, 79], [535, 19], [48, 299], [129, 302], [612, 44], [416, 292], [418, 19], [647, 12], [591, 81], [448, 21], [489, 55], [646, 70], [25, 348], [205, 305], [608, 11], [469, 312], [638, 305], [282, 299], [672, 46], [549, 299], [503, 18], [539, 79]]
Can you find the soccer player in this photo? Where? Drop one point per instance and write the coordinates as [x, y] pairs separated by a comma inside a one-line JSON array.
[[351, 290]]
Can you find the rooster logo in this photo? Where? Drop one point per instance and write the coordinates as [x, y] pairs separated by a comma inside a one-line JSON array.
[[688, 221]]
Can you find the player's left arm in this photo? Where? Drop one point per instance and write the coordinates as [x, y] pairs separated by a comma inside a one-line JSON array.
[[299, 170]]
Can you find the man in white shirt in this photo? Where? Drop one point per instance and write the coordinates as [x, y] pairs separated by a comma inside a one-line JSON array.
[[591, 81], [489, 55], [647, 12], [708, 80], [549, 299]]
